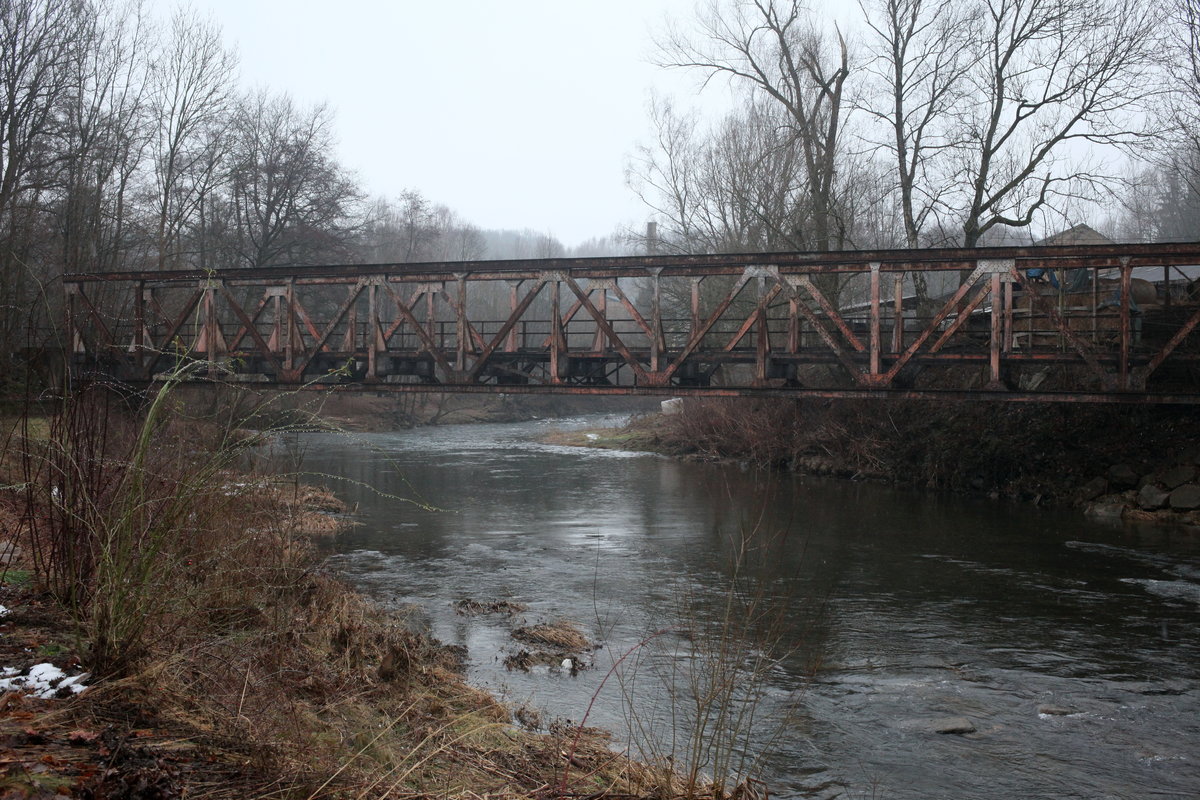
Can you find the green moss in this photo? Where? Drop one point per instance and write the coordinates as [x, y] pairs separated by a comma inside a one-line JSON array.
[[16, 577]]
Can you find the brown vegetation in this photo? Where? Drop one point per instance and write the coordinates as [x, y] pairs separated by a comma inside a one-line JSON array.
[[224, 662], [469, 607], [1034, 452], [561, 635]]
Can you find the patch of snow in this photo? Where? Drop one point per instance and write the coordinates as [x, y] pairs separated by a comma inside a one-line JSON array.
[[42, 680], [3, 611]]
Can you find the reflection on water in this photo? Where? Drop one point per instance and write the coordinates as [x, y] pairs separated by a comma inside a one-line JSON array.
[[901, 608]]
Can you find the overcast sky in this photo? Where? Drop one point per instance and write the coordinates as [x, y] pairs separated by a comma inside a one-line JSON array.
[[515, 113]]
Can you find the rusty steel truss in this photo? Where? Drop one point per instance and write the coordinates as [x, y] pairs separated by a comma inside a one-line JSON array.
[[897, 323]]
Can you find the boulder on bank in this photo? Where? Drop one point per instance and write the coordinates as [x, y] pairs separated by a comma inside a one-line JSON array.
[[1176, 476], [1105, 508], [1122, 476], [1151, 497], [1092, 489], [1186, 497]]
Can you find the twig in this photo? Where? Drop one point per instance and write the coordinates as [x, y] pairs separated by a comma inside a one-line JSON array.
[[562, 786]]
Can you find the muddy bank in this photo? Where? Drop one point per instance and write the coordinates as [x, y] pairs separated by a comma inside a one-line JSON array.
[[1137, 463]]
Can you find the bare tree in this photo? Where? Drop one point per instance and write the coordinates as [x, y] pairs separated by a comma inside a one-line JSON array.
[[1181, 42], [922, 54], [291, 201], [41, 46], [41, 43], [413, 228], [193, 82], [1177, 156], [774, 48], [404, 231], [1050, 74], [663, 175], [739, 186], [106, 137], [459, 240]]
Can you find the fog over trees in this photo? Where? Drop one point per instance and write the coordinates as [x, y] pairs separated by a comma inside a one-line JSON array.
[[128, 142]]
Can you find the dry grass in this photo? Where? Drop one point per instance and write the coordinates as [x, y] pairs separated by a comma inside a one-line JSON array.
[[342, 702], [565, 637], [252, 673], [469, 607]]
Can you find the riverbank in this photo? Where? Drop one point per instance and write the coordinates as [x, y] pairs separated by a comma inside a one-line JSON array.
[[344, 702], [169, 631], [1135, 463]]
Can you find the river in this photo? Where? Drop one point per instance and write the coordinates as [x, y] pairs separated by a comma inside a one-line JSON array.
[[1071, 646]]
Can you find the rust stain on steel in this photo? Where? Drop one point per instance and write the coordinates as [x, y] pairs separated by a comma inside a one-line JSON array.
[[819, 326]]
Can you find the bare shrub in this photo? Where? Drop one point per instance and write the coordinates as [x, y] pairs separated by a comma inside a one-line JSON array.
[[137, 522], [695, 691]]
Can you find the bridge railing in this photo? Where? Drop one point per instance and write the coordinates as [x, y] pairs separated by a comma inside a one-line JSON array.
[[1087, 322]]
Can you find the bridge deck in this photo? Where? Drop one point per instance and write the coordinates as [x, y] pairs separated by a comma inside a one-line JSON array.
[[900, 323]]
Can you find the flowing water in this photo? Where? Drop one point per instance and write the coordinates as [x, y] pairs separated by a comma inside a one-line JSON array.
[[1071, 646]]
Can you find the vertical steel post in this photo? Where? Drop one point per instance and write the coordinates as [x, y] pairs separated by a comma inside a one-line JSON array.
[[139, 319], [762, 341], [292, 334], [71, 312], [793, 326], [1095, 305], [510, 344], [461, 328], [656, 326], [72, 334], [431, 319], [1008, 315], [874, 317], [1126, 285], [898, 314], [210, 325], [555, 331], [372, 332], [997, 328], [1029, 319], [276, 341]]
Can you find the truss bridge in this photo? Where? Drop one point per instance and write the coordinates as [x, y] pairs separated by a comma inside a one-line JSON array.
[[1099, 323]]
